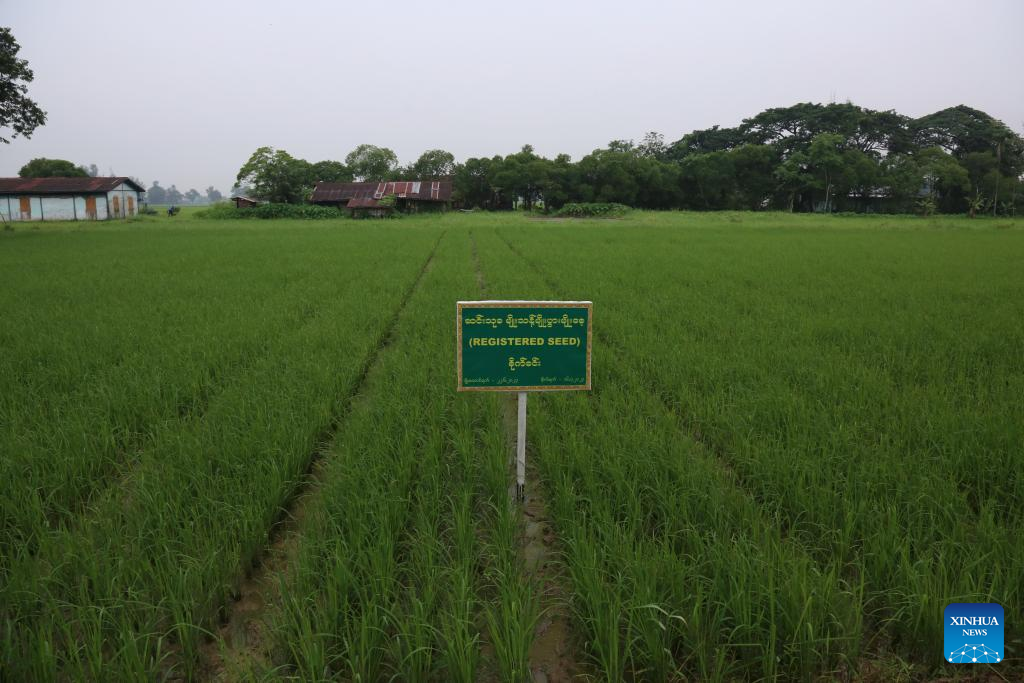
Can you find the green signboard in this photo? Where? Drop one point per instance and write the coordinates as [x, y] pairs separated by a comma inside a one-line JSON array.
[[523, 345]]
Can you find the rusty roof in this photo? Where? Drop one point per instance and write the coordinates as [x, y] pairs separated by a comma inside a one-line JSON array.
[[421, 190], [64, 185]]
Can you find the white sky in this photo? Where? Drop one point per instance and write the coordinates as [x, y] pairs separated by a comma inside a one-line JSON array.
[[183, 92]]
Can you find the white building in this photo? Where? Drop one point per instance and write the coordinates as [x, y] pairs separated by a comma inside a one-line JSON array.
[[68, 199]]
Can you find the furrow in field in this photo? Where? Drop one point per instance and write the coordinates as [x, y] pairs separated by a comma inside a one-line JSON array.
[[481, 281], [554, 648], [133, 591], [149, 388], [388, 576], [241, 636]]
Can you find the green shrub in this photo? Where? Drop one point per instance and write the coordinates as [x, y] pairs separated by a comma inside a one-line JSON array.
[[224, 210], [593, 210]]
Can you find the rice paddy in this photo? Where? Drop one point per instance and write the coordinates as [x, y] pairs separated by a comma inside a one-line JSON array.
[[234, 451]]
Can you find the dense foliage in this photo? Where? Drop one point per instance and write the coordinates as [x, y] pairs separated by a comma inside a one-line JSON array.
[[18, 112], [807, 157], [226, 210], [593, 210], [52, 168]]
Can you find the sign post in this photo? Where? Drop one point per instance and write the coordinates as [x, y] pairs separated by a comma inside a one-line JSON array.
[[523, 346]]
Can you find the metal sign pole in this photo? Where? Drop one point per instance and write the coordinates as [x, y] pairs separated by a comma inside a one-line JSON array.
[[521, 449]]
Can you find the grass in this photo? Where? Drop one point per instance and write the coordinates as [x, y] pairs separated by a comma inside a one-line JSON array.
[[804, 440]]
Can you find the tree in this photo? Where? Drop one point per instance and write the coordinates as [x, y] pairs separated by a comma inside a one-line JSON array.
[[901, 180], [213, 195], [192, 195], [826, 157], [473, 182], [653, 146], [523, 174], [330, 171], [793, 177], [92, 170], [173, 196], [433, 164], [961, 130], [712, 176], [51, 168], [17, 111], [156, 194], [241, 191], [276, 176], [754, 167], [861, 174], [371, 163], [944, 180], [713, 139]]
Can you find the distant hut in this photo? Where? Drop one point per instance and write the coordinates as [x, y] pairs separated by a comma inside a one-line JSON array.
[[380, 199], [69, 199], [245, 202]]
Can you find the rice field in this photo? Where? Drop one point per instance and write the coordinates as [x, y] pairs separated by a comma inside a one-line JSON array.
[[234, 450]]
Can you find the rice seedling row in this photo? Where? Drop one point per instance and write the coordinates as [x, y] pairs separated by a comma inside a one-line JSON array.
[[141, 579], [72, 435], [892, 474], [407, 561]]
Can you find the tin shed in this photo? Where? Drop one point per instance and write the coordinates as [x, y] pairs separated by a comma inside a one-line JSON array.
[[69, 199]]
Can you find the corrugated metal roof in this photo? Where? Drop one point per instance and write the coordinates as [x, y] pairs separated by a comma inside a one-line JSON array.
[[63, 185], [421, 190]]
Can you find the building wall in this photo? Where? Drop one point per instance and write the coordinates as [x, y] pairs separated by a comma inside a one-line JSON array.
[[120, 208], [68, 208], [58, 208]]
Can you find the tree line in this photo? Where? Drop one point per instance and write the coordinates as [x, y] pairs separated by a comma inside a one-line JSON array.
[[158, 194], [806, 157]]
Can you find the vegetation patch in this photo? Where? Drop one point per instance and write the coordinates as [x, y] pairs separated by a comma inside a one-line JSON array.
[[593, 210], [225, 210]]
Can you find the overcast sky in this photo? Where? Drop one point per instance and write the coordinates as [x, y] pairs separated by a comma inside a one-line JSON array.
[[183, 92]]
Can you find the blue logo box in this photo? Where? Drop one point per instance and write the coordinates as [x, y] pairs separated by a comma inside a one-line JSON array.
[[973, 633]]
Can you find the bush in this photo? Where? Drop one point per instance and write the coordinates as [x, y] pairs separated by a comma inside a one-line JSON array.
[[223, 210], [593, 210]]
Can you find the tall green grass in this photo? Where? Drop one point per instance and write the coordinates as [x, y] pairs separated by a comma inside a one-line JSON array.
[[804, 440]]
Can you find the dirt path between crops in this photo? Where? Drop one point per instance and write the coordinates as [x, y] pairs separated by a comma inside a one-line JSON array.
[[481, 281], [553, 652], [244, 647]]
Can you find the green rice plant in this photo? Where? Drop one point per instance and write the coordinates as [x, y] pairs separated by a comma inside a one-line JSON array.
[[172, 541], [511, 624]]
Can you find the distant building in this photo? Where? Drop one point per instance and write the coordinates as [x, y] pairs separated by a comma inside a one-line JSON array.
[[69, 199], [245, 202], [379, 199]]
